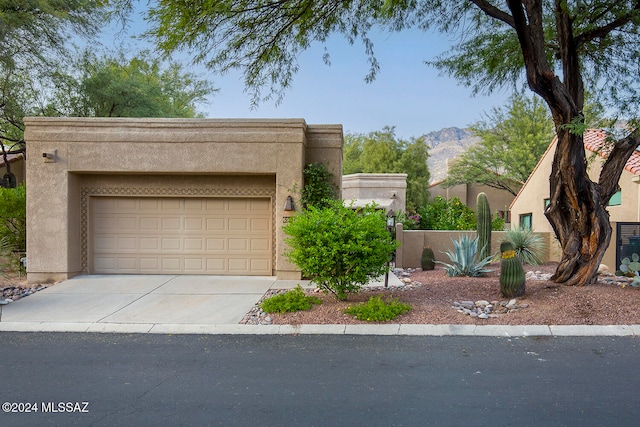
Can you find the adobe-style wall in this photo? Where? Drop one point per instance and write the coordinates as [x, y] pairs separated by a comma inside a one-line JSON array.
[[409, 254], [389, 190], [72, 157]]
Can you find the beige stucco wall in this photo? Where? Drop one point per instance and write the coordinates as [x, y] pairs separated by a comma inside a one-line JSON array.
[[532, 197], [156, 157], [388, 190], [409, 254]]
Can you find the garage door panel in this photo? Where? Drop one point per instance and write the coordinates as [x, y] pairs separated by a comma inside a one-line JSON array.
[[238, 244], [194, 224], [216, 244], [151, 264], [260, 224], [261, 245], [171, 224], [238, 224], [181, 235]]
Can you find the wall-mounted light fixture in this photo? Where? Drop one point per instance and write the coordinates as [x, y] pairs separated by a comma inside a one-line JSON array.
[[289, 205], [49, 157]]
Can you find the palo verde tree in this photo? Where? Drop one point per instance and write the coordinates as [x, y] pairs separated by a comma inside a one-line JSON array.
[[558, 47]]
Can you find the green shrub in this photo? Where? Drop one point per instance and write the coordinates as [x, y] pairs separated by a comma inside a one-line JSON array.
[[446, 214], [339, 248], [13, 224], [293, 300], [409, 221], [464, 259], [377, 310], [317, 190], [528, 245]]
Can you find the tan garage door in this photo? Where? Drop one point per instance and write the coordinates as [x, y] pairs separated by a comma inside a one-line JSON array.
[[225, 236]]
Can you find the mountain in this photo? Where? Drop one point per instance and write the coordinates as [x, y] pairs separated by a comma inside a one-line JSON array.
[[444, 145]]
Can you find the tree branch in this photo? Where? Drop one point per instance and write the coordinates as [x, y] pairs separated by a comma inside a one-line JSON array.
[[603, 31], [614, 165], [494, 12]]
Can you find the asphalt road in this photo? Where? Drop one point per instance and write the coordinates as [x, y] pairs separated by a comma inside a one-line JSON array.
[[324, 380]]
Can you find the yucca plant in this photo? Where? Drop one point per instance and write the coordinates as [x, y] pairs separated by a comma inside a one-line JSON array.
[[464, 259], [527, 245]]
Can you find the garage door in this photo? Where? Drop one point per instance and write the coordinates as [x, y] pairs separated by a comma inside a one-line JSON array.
[[225, 236]]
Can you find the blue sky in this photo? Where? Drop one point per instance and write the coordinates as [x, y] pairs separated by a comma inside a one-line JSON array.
[[407, 93]]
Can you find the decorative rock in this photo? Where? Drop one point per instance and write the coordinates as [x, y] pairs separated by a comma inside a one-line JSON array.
[[482, 309], [602, 268]]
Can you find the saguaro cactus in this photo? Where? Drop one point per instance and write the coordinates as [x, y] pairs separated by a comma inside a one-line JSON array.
[[428, 261], [512, 277], [483, 225]]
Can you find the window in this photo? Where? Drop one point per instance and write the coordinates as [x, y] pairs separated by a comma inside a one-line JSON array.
[[525, 221], [616, 199], [505, 215]]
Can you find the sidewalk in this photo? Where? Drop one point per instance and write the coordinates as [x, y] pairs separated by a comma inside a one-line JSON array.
[[167, 304]]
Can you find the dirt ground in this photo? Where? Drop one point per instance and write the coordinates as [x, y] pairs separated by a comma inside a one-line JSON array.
[[544, 303]]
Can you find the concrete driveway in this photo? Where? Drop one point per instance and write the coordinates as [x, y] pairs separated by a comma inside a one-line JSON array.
[[144, 300]]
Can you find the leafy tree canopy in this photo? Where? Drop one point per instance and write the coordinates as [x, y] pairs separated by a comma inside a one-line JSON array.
[[33, 32], [115, 86], [382, 152], [512, 140]]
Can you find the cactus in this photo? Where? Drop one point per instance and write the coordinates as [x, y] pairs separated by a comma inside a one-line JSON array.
[[630, 267], [483, 225], [428, 261], [512, 277]]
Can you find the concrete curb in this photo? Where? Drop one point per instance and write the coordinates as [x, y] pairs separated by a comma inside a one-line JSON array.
[[360, 329]]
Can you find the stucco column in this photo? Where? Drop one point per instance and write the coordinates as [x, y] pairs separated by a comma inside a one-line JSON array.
[[48, 237]]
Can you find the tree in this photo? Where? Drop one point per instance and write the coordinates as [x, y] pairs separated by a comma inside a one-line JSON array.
[[115, 86], [557, 47], [338, 247], [34, 33], [512, 141], [34, 36], [382, 152]]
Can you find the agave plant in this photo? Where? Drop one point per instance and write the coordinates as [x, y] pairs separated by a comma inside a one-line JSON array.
[[528, 245], [464, 259]]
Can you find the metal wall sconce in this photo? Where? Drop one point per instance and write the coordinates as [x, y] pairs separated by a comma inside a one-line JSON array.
[[289, 205], [49, 157]]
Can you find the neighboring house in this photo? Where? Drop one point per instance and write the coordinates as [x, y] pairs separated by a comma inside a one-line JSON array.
[[16, 165], [387, 190], [499, 200], [528, 207], [167, 196]]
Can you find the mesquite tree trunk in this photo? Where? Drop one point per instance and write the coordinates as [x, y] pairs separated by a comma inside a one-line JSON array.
[[577, 210], [577, 213]]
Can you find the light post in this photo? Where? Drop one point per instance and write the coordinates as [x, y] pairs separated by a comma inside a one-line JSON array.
[[391, 224]]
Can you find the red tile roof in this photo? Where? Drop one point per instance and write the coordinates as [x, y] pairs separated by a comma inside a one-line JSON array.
[[10, 158], [595, 140]]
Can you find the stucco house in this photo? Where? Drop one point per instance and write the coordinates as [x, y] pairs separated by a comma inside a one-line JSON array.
[[387, 190], [528, 207], [167, 196], [16, 166]]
